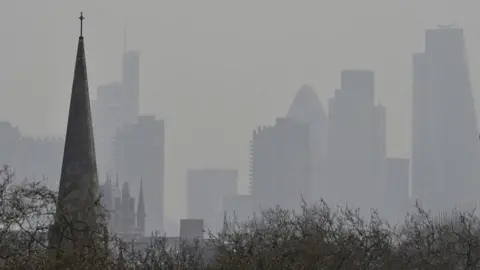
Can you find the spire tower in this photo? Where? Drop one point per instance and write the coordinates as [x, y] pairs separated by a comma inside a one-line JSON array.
[[141, 213], [78, 195]]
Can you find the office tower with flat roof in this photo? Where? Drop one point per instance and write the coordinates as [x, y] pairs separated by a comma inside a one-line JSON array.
[[356, 147], [445, 145], [281, 165]]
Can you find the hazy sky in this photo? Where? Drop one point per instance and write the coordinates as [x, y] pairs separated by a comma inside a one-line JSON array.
[[214, 70]]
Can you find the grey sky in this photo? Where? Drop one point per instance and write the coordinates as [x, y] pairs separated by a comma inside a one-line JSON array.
[[214, 70]]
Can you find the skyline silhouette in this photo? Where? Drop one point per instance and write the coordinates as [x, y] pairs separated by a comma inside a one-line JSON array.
[[204, 88]]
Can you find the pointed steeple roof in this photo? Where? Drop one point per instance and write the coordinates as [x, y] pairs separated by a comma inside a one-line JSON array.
[[141, 212], [141, 202], [79, 167], [79, 188]]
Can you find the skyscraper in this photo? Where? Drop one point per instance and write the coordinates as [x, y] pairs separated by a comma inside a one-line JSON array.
[[308, 109], [109, 115], [356, 149], [78, 190], [280, 165], [131, 85], [31, 158], [140, 154], [444, 132], [117, 105]]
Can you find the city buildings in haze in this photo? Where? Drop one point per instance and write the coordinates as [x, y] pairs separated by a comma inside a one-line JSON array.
[[445, 146], [205, 190], [123, 219], [140, 154], [31, 158], [356, 142], [117, 105], [108, 116], [307, 108], [131, 85], [280, 165]]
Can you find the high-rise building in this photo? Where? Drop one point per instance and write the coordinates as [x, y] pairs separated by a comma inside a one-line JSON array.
[[31, 158], [140, 154], [445, 144], [280, 165], [307, 108], [131, 85], [39, 159], [78, 189], [117, 105], [205, 190], [109, 115], [356, 147]]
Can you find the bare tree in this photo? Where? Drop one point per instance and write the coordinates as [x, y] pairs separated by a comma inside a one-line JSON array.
[[317, 237]]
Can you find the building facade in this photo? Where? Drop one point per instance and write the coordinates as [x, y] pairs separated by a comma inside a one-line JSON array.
[[357, 142], [140, 154], [31, 158], [116, 106], [280, 165], [445, 146], [108, 116], [123, 220], [131, 85], [308, 109]]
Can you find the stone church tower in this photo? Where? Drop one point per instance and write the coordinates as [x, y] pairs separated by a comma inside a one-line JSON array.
[[77, 216]]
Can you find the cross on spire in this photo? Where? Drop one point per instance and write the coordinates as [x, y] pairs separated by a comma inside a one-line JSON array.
[[81, 23]]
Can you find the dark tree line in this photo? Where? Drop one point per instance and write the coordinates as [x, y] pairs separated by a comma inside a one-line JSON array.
[[318, 237]]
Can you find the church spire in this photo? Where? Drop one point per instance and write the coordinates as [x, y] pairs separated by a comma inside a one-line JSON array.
[[141, 213], [78, 191]]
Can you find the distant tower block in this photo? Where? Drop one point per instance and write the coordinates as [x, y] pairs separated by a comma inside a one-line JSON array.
[[191, 228], [445, 148]]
